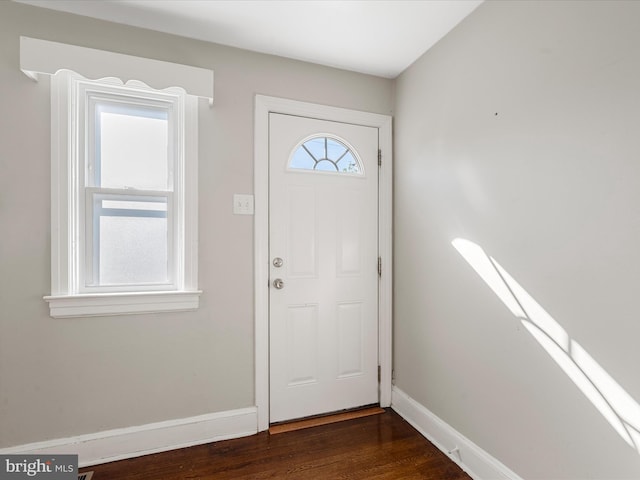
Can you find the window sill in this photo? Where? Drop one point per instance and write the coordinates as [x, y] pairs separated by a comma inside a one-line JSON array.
[[93, 305]]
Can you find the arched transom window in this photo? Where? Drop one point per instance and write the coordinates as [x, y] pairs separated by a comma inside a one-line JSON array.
[[325, 154]]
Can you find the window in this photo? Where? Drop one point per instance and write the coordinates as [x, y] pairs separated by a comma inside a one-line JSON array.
[[132, 147], [325, 154], [124, 180], [129, 173]]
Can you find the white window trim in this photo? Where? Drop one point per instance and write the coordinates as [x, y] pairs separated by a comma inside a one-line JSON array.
[[105, 304], [38, 56], [69, 297]]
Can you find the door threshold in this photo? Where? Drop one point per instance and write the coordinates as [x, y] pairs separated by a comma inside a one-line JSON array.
[[324, 420]]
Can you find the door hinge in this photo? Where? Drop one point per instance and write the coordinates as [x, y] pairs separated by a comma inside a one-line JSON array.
[[379, 266], [379, 373], [379, 157]]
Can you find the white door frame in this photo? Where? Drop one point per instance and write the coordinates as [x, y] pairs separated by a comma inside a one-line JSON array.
[[263, 106]]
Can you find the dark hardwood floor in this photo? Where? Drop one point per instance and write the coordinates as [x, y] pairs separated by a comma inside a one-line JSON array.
[[377, 447]]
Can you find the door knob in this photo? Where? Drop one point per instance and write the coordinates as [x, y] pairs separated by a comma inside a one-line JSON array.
[[278, 283]]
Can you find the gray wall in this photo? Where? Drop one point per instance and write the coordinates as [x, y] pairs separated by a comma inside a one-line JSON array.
[[66, 377], [519, 131]]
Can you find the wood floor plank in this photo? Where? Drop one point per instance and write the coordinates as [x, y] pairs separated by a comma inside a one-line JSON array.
[[378, 447]]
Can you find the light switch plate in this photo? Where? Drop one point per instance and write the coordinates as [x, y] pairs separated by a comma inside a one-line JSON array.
[[242, 204]]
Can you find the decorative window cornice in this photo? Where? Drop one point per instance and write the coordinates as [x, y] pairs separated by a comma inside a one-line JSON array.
[[46, 57]]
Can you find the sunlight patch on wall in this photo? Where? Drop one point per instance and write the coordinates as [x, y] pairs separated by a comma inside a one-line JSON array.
[[612, 401]]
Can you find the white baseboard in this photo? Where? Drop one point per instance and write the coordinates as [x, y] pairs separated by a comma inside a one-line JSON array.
[[471, 458], [112, 445]]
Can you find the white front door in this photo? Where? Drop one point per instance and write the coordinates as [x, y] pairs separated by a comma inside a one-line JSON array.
[[323, 244]]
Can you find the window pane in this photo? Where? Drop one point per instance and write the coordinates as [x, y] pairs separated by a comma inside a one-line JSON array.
[[316, 147], [132, 147], [326, 166], [335, 150], [348, 164], [130, 241], [301, 159]]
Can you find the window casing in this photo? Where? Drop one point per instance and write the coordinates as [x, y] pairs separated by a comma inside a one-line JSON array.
[[124, 197]]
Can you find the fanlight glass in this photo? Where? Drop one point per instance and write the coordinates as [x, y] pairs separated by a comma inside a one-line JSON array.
[[326, 154]]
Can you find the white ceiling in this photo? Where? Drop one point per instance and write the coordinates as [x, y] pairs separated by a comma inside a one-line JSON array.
[[378, 37]]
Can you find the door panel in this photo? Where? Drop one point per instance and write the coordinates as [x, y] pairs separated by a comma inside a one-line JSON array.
[[301, 332], [323, 225], [350, 339], [303, 232], [349, 233]]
